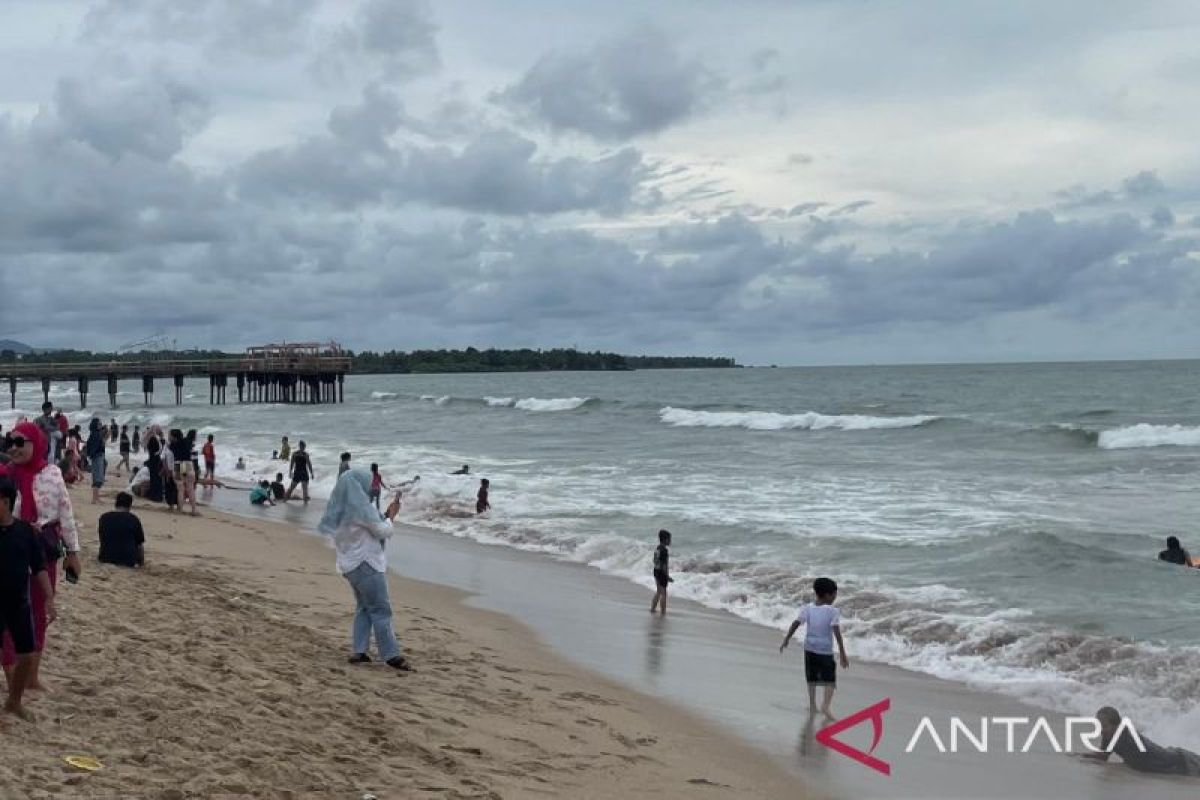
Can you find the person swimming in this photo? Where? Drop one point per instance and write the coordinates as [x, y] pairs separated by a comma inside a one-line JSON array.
[[466, 470], [1175, 554]]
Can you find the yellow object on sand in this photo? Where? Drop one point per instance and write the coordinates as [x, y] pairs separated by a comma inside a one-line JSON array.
[[83, 762]]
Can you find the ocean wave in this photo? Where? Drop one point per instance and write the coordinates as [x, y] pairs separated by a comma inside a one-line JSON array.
[[499, 402], [1146, 435], [940, 630], [437, 400], [551, 404], [775, 421], [384, 395]]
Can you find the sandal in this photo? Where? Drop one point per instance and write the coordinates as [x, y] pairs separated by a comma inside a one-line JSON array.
[[400, 663], [359, 658]]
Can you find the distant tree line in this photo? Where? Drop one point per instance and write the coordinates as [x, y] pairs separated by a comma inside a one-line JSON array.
[[523, 360], [421, 361]]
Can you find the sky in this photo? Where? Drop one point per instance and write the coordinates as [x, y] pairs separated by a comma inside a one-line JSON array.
[[780, 181]]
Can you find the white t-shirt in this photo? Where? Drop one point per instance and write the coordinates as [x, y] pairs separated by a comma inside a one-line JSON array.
[[818, 635], [357, 543]]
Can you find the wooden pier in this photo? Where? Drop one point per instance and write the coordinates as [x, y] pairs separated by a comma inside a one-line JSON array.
[[274, 373]]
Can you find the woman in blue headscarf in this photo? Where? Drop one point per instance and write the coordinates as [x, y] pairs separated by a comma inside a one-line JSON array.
[[360, 534]]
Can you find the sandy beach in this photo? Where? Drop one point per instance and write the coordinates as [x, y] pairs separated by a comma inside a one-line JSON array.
[[219, 671]]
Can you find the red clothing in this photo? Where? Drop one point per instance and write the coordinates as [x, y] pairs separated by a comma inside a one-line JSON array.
[[210, 454]]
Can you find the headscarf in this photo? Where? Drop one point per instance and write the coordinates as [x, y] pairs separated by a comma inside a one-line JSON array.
[[23, 474], [350, 504]]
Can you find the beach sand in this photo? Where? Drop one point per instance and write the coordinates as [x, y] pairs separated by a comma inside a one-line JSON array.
[[220, 671]]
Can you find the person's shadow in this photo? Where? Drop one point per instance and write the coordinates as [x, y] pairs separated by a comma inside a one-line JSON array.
[[808, 750]]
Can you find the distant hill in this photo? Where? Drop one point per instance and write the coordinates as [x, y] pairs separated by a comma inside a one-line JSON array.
[[17, 347]]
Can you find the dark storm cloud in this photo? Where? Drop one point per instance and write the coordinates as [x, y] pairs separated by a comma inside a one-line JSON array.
[[633, 85], [497, 171], [245, 201], [94, 171]]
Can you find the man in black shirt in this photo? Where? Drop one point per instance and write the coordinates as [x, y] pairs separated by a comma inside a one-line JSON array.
[[1175, 554], [1149, 757], [22, 557], [121, 535]]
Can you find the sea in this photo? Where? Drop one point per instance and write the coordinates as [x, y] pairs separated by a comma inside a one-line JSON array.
[[992, 524]]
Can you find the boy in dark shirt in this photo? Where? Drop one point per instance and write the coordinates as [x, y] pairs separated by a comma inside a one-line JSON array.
[[277, 488], [482, 503], [662, 571], [121, 537], [22, 558], [1149, 757]]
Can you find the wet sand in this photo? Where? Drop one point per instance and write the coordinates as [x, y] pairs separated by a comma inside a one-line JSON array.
[[219, 671], [730, 671]]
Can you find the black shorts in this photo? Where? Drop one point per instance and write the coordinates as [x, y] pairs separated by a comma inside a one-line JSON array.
[[16, 619], [820, 669], [661, 580]]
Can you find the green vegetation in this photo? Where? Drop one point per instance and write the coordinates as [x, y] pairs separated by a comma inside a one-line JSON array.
[[423, 361]]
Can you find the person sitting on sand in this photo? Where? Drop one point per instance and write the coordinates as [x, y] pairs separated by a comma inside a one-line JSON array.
[[360, 534], [139, 482], [278, 490], [466, 470], [122, 539], [260, 495], [824, 621], [1150, 757], [22, 562], [1175, 554]]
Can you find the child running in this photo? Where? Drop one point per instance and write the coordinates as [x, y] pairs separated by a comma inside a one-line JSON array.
[[662, 571], [824, 622]]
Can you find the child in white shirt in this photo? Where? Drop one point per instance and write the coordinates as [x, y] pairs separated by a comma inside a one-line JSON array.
[[824, 622]]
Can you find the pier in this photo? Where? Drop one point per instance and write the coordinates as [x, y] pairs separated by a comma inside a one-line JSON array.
[[275, 373]]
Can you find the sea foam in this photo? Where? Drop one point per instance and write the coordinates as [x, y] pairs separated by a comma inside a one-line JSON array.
[[774, 421]]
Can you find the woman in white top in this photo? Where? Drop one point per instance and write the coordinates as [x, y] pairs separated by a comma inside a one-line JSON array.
[[360, 535]]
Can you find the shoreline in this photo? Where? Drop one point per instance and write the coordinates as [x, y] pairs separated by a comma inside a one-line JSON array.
[[220, 670], [727, 670]]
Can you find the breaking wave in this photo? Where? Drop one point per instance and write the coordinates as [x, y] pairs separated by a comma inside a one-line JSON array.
[[1146, 435], [384, 395], [774, 421], [551, 404]]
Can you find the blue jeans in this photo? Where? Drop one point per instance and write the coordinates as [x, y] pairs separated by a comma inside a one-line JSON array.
[[374, 612]]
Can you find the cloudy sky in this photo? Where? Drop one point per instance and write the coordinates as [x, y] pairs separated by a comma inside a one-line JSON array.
[[789, 181]]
